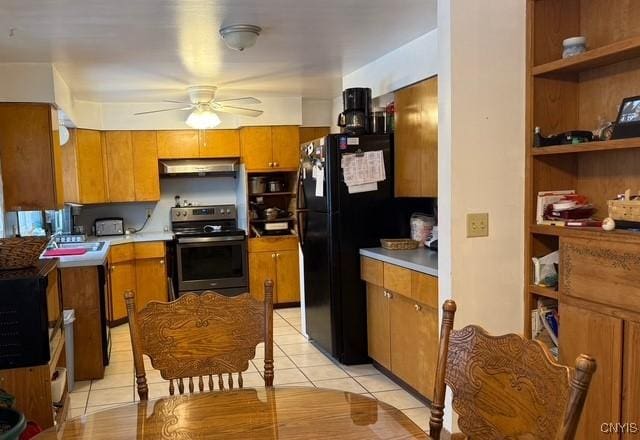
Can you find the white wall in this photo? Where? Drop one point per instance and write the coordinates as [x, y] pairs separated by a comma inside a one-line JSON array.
[[481, 160], [26, 82], [406, 65], [317, 112]]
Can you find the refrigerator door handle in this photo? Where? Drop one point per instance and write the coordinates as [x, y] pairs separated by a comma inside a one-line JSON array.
[[300, 217]]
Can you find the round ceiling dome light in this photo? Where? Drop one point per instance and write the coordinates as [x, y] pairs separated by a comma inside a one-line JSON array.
[[240, 36]]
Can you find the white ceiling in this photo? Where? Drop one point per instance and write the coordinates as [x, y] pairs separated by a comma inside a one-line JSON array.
[[147, 50]]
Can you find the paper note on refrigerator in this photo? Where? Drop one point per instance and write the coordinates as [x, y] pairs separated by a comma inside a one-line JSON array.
[[363, 169], [318, 174]]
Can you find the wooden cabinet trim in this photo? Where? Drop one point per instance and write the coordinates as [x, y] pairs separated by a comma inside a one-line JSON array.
[[378, 332], [178, 144], [119, 166], [424, 289], [287, 277], [219, 143], [372, 271], [146, 175], [264, 244]]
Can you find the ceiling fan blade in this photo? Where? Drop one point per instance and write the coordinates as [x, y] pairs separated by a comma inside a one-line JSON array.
[[239, 111], [242, 101], [163, 110], [176, 102]]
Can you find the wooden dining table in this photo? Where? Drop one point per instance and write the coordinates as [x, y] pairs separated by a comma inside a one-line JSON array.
[[296, 413]]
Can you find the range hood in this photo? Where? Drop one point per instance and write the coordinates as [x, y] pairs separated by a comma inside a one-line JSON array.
[[198, 167]]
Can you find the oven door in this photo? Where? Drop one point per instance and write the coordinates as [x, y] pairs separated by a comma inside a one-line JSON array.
[[212, 263]]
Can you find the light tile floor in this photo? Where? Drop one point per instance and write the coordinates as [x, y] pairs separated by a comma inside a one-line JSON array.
[[297, 362]]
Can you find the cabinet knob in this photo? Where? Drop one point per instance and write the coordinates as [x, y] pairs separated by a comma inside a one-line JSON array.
[[278, 255], [418, 307], [388, 294], [273, 255], [113, 268], [270, 164], [276, 164], [161, 261]]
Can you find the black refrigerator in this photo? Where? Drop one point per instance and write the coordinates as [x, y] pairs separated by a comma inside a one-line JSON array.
[[334, 223]]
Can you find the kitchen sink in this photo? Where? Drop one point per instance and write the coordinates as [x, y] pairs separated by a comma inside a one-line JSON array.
[[90, 247]]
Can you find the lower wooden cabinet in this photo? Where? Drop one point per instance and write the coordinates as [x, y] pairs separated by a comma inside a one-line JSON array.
[[402, 322], [378, 334], [139, 267], [275, 259]]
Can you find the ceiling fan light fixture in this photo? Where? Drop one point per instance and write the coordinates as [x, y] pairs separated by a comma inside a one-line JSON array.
[[240, 36], [203, 119]]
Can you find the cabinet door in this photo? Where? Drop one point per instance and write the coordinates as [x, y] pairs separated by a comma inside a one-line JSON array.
[[27, 157], [287, 277], [414, 343], [145, 166], [178, 144], [286, 146], [307, 134], [256, 148], [122, 277], [119, 166], [90, 167], [407, 145], [428, 95], [631, 379], [219, 143], [151, 281], [262, 267], [600, 336], [378, 335]]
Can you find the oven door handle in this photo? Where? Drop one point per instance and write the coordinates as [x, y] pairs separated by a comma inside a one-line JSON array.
[[210, 239]]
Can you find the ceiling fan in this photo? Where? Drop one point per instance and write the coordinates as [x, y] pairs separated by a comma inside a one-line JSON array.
[[205, 107]]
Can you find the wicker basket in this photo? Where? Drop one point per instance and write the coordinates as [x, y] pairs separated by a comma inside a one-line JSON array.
[[21, 252], [397, 244], [627, 210]]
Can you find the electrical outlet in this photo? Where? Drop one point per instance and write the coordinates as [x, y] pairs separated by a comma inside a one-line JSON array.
[[478, 225], [149, 212]]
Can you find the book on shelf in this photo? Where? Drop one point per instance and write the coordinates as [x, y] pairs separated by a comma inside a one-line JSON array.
[[547, 198]]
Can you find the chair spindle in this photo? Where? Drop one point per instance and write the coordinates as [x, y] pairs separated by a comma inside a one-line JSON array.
[[210, 383], [220, 382], [191, 388], [181, 386], [172, 389], [200, 384], [240, 382], [230, 381]]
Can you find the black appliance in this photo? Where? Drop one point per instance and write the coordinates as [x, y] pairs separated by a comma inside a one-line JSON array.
[[355, 118], [333, 225], [104, 322], [30, 316], [210, 250]]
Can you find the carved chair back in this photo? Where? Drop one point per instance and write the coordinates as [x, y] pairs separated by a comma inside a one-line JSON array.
[[201, 337], [506, 387]]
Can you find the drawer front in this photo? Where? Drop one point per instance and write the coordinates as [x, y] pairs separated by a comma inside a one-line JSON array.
[[265, 244], [152, 249], [121, 252], [397, 279], [600, 271], [372, 271], [424, 289]]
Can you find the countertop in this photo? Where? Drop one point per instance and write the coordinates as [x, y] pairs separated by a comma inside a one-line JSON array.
[[421, 259], [138, 237], [97, 258]]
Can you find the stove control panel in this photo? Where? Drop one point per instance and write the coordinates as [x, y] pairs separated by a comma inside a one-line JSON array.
[[202, 213]]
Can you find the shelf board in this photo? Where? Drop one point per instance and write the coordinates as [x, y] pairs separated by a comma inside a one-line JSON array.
[[600, 56], [284, 219], [585, 147], [547, 292], [589, 233], [268, 194]]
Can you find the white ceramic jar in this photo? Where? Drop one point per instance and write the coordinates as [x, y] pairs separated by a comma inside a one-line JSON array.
[[573, 46]]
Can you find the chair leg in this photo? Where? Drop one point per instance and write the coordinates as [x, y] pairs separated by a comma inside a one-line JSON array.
[[143, 389]]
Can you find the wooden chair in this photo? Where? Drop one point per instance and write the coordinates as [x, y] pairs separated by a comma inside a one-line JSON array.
[[506, 387], [201, 336]]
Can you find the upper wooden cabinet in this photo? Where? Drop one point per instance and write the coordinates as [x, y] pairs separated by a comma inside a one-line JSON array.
[[416, 140], [219, 143], [178, 144], [270, 148], [83, 163], [145, 164], [310, 133], [119, 167], [111, 166], [31, 157]]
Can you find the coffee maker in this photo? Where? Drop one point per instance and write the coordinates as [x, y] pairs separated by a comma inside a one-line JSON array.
[[357, 110]]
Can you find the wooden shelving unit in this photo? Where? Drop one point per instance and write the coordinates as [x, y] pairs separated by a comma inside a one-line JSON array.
[[598, 296], [285, 200]]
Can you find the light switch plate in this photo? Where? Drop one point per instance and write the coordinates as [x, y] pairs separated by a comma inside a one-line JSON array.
[[478, 225]]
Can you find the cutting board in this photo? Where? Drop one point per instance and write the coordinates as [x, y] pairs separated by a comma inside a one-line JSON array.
[[64, 252]]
